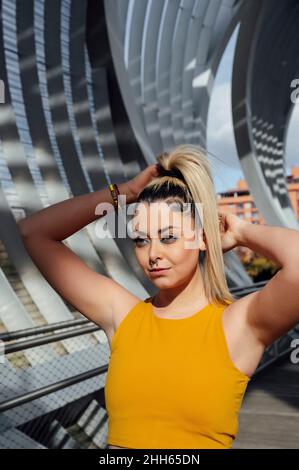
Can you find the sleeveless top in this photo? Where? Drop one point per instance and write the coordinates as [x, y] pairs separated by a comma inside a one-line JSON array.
[[171, 383]]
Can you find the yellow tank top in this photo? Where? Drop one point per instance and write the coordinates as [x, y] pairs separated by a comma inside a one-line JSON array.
[[171, 383]]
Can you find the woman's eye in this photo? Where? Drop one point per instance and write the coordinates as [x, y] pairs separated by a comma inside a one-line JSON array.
[[139, 240], [171, 237]]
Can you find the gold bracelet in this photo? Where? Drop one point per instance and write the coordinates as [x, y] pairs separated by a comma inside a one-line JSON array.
[[115, 193]]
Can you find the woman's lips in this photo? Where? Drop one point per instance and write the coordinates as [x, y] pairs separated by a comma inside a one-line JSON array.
[[159, 271]]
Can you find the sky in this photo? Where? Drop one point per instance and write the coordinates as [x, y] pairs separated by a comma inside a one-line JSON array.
[[225, 165]]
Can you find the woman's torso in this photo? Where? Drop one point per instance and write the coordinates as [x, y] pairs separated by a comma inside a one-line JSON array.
[[227, 337]]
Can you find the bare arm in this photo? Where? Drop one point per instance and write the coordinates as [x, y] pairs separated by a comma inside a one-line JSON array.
[[274, 310], [43, 232], [61, 220]]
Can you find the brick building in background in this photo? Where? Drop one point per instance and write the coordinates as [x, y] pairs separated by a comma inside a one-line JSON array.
[[239, 201]]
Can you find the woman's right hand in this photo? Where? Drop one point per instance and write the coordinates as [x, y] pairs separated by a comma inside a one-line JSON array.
[[138, 183]]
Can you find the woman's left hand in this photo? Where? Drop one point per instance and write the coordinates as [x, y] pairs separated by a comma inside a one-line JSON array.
[[231, 228]]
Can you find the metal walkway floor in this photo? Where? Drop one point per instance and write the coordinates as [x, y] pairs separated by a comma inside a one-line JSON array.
[[269, 416]]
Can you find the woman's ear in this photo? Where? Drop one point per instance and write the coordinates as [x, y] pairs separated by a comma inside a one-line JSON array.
[[203, 241]]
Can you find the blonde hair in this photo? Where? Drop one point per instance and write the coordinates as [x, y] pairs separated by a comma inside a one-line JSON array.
[[185, 175]]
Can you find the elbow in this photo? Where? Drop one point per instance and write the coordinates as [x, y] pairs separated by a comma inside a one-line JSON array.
[[28, 231], [23, 228]]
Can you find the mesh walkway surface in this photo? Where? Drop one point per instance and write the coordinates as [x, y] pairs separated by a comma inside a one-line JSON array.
[[269, 417]]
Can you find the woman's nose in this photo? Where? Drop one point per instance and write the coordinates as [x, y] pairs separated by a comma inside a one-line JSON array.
[[154, 252]]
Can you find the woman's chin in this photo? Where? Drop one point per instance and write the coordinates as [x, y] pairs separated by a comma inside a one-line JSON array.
[[161, 282]]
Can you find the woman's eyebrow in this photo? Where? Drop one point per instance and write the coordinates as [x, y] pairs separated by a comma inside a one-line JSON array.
[[160, 230]]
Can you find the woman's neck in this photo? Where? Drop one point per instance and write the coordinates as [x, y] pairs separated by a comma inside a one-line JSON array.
[[184, 296]]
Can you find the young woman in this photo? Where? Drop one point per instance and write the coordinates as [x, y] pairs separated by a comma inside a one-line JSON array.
[[181, 360]]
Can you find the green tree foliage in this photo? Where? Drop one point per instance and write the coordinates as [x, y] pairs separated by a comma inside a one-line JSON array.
[[260, 268]]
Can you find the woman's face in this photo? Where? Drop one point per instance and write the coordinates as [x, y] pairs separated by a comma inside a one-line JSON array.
[[166, 238]]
